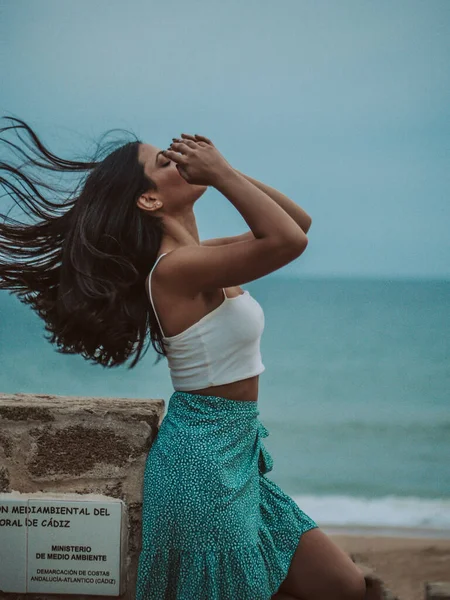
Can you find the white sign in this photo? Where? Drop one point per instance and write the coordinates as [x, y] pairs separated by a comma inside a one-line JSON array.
[[61, 547]]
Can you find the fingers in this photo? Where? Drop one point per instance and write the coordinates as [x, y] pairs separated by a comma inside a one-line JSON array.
[[203, 138], [175, 156], [200, 139], [190, 143], [179, 149]]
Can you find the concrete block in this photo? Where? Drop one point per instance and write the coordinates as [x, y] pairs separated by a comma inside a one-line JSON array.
[[81, 445], [437, 590]]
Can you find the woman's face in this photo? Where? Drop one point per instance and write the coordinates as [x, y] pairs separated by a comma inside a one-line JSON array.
[[174, 192]]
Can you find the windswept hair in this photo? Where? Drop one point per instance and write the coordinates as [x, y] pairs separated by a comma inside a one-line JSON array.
[[83, 262]]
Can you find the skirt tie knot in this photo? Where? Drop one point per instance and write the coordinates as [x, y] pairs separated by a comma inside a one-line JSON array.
[[265, 461]]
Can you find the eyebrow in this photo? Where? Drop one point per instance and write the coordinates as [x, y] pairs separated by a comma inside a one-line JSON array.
[[156, 159]]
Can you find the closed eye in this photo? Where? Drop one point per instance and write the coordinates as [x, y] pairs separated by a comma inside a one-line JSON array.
[[167, 164]]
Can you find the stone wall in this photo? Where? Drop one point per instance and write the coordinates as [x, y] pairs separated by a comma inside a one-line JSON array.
[[69, 444]]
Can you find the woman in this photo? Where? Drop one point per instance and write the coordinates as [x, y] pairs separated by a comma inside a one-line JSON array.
[[122, 259]]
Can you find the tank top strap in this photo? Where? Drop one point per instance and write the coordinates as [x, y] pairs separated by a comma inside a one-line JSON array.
[[150, 290]]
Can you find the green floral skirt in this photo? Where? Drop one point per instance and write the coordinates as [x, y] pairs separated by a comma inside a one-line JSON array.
[[214, 526]]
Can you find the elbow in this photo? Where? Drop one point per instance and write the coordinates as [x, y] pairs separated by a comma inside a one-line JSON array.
[[287, 250], [292, 244], [307, 225], [297, 245], [302, 245]]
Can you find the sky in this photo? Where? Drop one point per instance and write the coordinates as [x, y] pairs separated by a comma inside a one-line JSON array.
[[343, 106]]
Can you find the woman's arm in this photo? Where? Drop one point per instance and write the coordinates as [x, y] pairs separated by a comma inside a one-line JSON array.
[[293, 210], [289, 206], [300, 217]]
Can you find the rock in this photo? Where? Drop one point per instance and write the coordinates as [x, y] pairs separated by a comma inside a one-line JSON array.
[[437, 590]]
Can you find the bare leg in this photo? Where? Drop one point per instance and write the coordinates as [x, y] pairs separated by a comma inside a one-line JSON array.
[[321, 570]]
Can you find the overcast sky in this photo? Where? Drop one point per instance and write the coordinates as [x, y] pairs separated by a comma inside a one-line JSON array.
[[342, 105]]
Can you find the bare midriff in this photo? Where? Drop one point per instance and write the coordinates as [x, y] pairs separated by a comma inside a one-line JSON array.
[[244, 390]]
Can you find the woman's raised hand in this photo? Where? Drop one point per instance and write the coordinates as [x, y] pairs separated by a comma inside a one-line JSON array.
[[197, 159], [197, 138]]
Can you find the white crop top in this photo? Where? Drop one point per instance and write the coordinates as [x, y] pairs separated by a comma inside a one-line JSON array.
[[223, 347]]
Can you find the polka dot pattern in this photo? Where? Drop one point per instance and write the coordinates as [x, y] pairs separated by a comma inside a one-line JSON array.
[[214, 526]]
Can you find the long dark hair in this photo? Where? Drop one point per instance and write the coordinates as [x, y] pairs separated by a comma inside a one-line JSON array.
[[83, 263]]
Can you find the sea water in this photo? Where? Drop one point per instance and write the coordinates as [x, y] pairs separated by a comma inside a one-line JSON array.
[[356, 392]]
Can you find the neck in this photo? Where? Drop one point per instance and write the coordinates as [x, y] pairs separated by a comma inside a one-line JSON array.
[[180, 230]]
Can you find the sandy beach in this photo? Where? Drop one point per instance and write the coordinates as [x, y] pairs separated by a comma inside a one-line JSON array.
[[404, 560]]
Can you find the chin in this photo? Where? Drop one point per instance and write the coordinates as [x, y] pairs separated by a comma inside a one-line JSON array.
[[199, 191]]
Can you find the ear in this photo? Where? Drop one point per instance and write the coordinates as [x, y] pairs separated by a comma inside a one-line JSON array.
[[146, 202]]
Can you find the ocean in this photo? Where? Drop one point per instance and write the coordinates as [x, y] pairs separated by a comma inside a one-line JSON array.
[[355, 395]]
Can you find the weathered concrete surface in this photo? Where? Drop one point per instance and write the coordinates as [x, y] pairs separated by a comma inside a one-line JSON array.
[[82, 445], [437, 590]]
